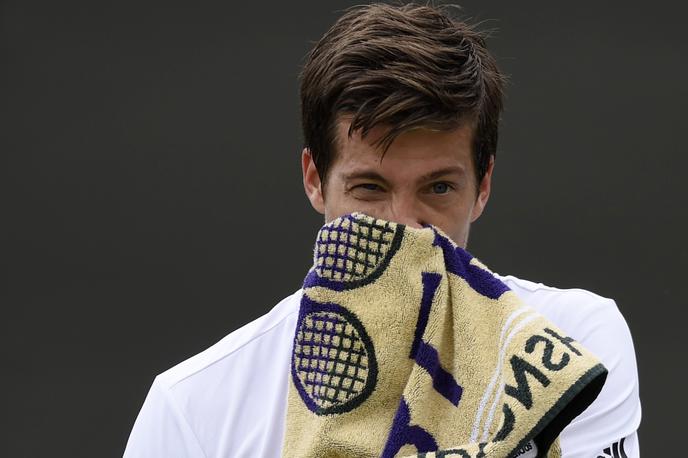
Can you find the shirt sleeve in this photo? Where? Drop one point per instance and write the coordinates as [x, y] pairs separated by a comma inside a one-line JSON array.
[[161, 429], [608, 427]]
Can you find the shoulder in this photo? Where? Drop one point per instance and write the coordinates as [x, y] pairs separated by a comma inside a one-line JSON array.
[[598, 324], [214, 400], [551, 299], [263, 330], [576, 310], [593, 320]]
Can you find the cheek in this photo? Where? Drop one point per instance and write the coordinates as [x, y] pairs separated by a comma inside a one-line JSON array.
[[455, 221], [375, 209], [339, 203], [458, 232]]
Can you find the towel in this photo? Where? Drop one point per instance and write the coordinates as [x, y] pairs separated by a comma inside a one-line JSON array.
[[408, 346]]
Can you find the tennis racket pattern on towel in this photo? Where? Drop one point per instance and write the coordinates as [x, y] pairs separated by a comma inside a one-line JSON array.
[[354, 247], [333, 361]]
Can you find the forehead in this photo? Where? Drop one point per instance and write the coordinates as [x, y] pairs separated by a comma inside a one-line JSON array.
[[415, 150]]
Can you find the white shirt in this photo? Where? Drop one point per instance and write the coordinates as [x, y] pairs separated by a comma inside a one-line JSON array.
[[231, 399]]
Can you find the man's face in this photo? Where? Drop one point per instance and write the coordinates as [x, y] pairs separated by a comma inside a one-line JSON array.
[[425, 177]]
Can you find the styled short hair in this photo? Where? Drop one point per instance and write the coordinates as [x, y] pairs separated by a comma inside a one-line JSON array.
[[406, 67]]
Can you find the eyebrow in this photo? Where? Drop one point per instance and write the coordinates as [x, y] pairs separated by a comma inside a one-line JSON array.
[[442, 172], [364, 175], [372, 175]]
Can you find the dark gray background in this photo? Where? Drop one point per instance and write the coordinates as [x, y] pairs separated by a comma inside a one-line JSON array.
[[150, 149]]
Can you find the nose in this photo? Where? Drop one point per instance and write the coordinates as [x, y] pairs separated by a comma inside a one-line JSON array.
[[406, 211]]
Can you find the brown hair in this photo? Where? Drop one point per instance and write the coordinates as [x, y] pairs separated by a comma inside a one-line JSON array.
[[404, 66]]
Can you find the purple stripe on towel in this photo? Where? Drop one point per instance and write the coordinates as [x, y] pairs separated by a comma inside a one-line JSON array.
[[403, 433], [458, 261], [426, 355]]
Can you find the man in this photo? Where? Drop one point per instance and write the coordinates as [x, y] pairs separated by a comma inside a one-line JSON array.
[[400, 111]]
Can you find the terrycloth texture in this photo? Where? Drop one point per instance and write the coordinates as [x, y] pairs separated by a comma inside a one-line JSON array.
[[406, 344]]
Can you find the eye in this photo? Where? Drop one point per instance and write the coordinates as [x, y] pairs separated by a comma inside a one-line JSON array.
[[441, 187], [367, 191], [368, 187]]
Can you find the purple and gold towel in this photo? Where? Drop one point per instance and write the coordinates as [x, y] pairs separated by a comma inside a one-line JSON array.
[[406, 346]]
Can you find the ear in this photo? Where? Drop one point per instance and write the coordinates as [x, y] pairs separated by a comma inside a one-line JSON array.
[[311, 182], [483, 191]]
